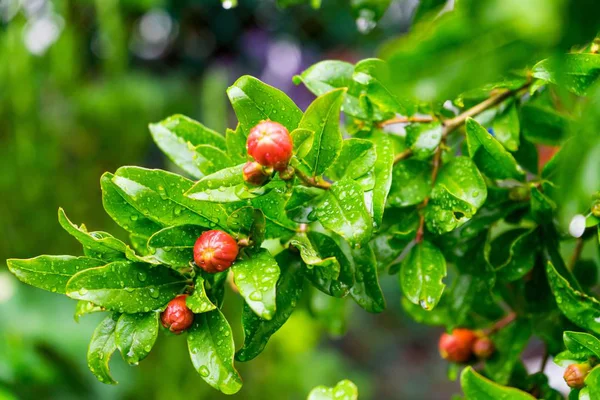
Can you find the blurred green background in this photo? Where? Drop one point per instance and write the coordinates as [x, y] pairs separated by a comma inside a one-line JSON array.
[[79, 82]]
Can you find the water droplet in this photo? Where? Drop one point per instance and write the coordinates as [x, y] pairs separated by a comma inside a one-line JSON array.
[[203, 371]]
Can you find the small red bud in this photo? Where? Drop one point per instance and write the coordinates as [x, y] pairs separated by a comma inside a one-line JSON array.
[[483, 348], [215, 251], [575, 375], [270, 144], [253, 173], [456, 347], [177, 317]]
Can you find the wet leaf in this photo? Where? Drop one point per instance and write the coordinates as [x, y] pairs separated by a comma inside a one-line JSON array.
[[210, 343], [542, 124], [272, 204], [357, 157], [123, 213], [517, 258], [458, 193], [366, 290], [302, 203], [577, 72], [581, 309], [489, 155], [50, 272], [257, 331], [99, 245], [236, 145], [422, 273], [256, 278], [343, 210], [582, 343], [198, 301], [135, 335], [178, 137], [506, 126], [254, 101], [383, 174], [324, 268], [335, 273], [85, 307], [411, 183], [102, 346], [477, 387], [323, 118], [509, 342], [174, 245], [126, 286], [424, 139]]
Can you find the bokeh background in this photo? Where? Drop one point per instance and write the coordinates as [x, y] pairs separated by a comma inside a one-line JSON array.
[[79, 82]]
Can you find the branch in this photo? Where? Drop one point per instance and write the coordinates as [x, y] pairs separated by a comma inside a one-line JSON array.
[[312, 181], [576, 254], [510, 317], [405, 120]]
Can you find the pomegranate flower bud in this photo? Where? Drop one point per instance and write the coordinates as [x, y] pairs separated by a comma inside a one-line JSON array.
[[215, 251], [483, 348], [177, 317], [575, 375], [253, 173], [457, 347], [270, 144]]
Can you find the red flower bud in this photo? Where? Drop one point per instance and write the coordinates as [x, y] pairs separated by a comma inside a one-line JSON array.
[[456, 347], [575, 375], [483, 348], [177, 317], [253, 173], [270, 144], [215, 251]]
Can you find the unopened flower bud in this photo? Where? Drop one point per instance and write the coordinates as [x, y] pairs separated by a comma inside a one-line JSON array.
[[270, 144], [575, 375], [457, 347], [177, 317], [215, 251]]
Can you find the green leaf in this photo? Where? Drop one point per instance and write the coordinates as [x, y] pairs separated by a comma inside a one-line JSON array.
[[272, 205], [198, 301], [342, 209], [102, 346], [99, 245], [159, 196], [357, 157], [123, 213], [543, 124], [303, 140], [85, 307], [343, 390], [226, 185], [236, 145], [581, 342], [506, 126], [510, 341], [135, 335], [329, 75], [178, 137], [489, 155], [210, 343], [592, 383], [256, 278], [411, 183], [257, 331], [422, 273], [323, 118], [518, 258], [211, 159], [375, 75], [174, 245], [424, 139], [458, 193], [476, 387], [322, 268], [334, 274], [126, 286], [577, 71], [302, 202], [254, 101], [581, 309], [383, 174], [50, 272], [366, 290]]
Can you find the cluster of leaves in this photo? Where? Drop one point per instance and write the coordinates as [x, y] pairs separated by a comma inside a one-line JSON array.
[[466, 221]]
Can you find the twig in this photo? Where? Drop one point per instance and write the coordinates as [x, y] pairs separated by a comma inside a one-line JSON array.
[[312, 181], [576, 254], [401, 156], [545, 360], [510, 317], [405, 120]]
